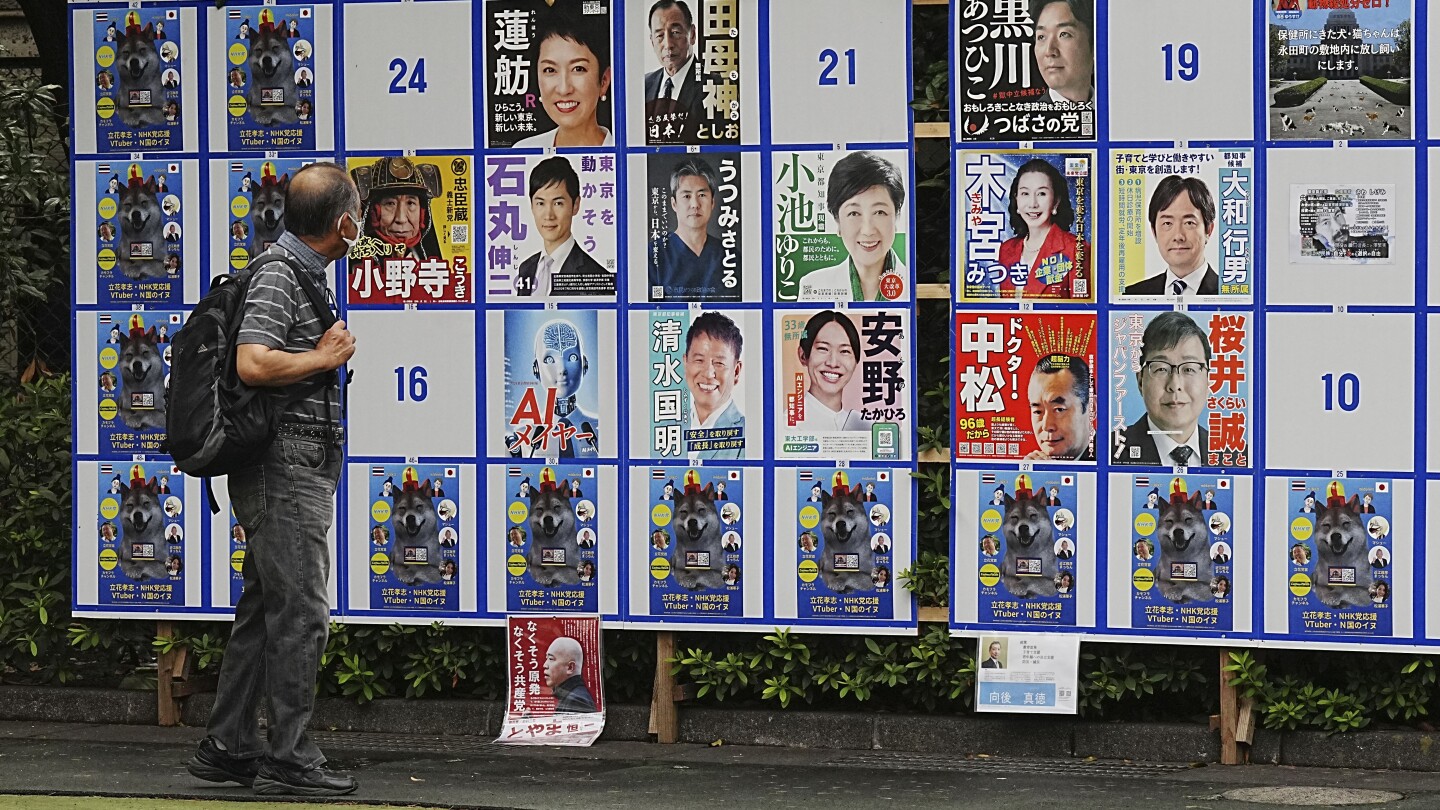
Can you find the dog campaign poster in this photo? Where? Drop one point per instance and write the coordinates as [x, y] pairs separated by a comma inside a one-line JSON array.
[[1025, 386], [553, 377], [413, 542], [1340, 558], [550, 227], [414, 245], [697, 542], [1028, 562], [842, 378], [694, 227], [142, 534], [550, 82], [1187, 216], [845, 531], [842, 232], [239, 547], [1180, 388], [132, 374], [553, 672], [270, 78], [255, 193], [552, 531], [138, 75], [705, 388], [1028, 225], [139, 235], [1182, 552]]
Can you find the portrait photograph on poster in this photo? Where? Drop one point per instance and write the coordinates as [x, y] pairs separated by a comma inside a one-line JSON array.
[[553, 671], [1182, 225], [841, 226], [691, 68], [1342, 224], [693, 219], [1025, 386], [1028, 225], [549, 73]]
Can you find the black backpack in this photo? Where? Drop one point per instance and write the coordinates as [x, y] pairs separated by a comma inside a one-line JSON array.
[[216, 424]]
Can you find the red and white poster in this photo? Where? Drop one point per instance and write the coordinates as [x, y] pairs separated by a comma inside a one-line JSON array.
[[556, 697]]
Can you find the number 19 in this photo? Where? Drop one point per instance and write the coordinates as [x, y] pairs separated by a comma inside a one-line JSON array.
[[1189, 61]]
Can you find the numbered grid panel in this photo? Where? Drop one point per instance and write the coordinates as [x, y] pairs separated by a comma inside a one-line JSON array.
[[409, 65], [842, 82], [1181, 75], [1349, 392]]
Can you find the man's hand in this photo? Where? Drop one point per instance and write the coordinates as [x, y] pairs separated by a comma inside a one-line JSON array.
[[336, 346]]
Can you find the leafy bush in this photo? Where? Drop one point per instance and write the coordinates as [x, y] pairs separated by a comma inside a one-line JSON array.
[[1393, 92], [1295, 95]]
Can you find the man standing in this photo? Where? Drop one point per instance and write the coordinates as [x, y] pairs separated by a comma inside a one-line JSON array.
[[1182, 219], [1060, 409], [674, 97], [563, 665], [285, 504], [1174, 380], [712, 368], [686, 264], [560, 267]]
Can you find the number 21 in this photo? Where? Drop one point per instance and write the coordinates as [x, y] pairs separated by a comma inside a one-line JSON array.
[[831, 60]]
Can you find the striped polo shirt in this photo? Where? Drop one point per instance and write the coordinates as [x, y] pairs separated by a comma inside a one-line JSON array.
[[278, 314]]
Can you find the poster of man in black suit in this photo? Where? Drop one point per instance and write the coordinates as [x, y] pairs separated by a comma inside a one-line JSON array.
[[686, 102], [1182, 220]]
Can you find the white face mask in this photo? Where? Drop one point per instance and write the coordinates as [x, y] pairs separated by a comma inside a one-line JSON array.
[[340, 229]]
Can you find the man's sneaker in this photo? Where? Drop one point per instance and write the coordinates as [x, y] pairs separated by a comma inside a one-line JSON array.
[[214, 764], [275, 779]]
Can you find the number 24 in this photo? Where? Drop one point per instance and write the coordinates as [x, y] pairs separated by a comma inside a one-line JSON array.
[[398, 85]]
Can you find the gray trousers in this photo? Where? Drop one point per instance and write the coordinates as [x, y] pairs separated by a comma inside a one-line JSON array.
[[286, 505]]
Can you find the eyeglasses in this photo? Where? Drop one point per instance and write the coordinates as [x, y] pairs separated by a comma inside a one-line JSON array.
[[1162, 370]]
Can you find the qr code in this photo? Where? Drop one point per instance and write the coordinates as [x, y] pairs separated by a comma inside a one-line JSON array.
[[657, 292], [592, 7], [459, 234], [1082, 288]]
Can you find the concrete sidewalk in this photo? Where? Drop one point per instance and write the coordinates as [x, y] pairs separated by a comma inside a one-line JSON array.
[[473, 772]]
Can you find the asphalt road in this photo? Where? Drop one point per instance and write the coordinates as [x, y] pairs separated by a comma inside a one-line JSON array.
[[142, 762]]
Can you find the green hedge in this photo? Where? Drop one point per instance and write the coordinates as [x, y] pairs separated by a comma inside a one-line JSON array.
[[1295, 95], [1393, 92]]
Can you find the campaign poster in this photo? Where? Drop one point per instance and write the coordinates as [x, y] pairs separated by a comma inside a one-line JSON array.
[[844, 527], [414, 245], [1028, 562], [697, 538], [1186, 217], [1029, 674], [706, 384], [1180, 388], [1023, 77], [139, 236], [239, 546], [1028, 225], [550, 227], [269, 66], [1340, 557], [553, 669], [549, 81], [553, 377], [413, 537], [1025, 386], [132, 374], [841, 226], [139, 70], [1182, 553], [843, 383], [694, 226], [692, 71], [142, 534], [256, 190], [552, 531], [1342, 224], [1340, 70]]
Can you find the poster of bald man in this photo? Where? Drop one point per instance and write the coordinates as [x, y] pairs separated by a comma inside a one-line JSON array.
[[1025, 386], [553, 670], [1183, 225]]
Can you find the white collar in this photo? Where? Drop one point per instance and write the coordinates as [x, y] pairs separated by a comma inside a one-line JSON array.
[[1164, 443], [1191, 281], [681, 76], [714, 416]]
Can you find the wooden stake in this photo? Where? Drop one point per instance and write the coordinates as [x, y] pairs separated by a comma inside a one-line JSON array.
[[167, 666], [664, 720], [1229, 714]]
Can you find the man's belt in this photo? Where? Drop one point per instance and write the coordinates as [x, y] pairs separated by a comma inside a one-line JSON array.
[[314, 431]]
